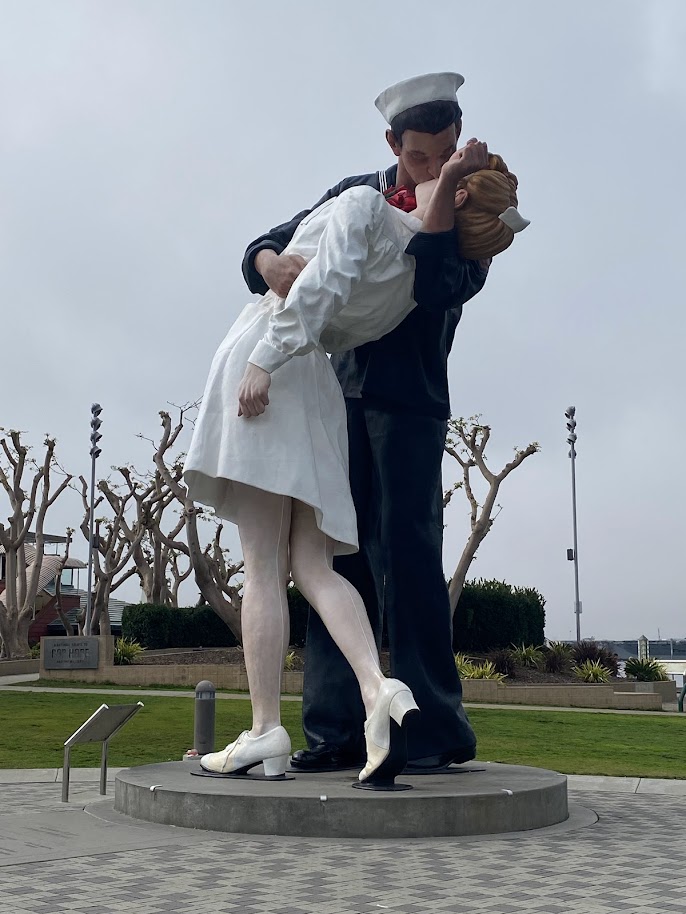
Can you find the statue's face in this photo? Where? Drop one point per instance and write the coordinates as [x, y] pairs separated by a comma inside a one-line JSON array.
[[422, 155]]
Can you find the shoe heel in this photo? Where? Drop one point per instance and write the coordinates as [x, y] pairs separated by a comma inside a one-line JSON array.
[[274, 767], [402, 703]]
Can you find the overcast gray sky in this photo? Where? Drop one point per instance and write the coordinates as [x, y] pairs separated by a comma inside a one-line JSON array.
[[144, 144]]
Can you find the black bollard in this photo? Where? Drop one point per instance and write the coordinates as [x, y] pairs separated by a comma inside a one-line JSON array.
[[203, 734]]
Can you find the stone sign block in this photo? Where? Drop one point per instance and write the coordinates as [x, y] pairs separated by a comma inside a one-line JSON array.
[[70, 653]]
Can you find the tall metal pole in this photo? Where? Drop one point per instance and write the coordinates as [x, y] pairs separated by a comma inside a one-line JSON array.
[[577, 602], [95, 452], [571, 440]]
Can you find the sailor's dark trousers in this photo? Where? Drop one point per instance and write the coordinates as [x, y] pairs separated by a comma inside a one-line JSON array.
[[395, 476]]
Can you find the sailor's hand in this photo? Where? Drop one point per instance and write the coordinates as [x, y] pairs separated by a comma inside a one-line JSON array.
[[470, 158], [279, 271], [253, 391]]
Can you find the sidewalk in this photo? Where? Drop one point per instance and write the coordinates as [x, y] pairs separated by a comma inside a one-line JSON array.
[[14, 680], [661, 786], [83, 858], [22, 684]]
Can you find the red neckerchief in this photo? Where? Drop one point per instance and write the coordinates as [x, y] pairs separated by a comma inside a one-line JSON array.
[[401, 198]]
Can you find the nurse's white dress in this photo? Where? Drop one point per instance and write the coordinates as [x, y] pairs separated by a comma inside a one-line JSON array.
[[356, 287]]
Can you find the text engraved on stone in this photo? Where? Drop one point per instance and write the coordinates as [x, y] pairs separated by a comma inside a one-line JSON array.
[[70, 653]]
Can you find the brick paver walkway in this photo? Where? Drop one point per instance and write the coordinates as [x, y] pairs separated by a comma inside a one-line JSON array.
[[84, 859]]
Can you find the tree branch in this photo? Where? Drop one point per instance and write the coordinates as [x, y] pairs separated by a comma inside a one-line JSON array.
[[474, 437]]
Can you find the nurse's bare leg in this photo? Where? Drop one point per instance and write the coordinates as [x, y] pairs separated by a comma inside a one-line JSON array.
[[342, 611], [335, 600], [264, 526]]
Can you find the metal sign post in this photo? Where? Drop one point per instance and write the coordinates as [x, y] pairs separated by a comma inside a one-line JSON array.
[[100, 727]]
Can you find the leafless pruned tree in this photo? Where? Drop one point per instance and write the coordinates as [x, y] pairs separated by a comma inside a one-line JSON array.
[[64, 619], [160, 565], [211, 565], [466, 443], [112, 550], [29, 503]]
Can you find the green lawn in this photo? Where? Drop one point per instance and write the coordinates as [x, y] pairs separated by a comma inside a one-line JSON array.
[[578, 743], [34, 725]]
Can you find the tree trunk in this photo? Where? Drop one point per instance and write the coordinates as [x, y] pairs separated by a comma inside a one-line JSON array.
[[460, 575], [15, 639], [206, 583], [9, 596], [144, 573], [81, 622], [100, 624], [477, 536], [157, 597], [58, 606]]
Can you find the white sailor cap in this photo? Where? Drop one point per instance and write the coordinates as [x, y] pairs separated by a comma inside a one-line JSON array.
[[431, 87]]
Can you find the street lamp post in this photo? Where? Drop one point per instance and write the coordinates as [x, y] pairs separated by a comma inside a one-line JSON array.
[[573, 554], [95, 452]]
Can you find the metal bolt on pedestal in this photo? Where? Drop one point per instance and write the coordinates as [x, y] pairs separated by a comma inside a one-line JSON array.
[[203, 732]]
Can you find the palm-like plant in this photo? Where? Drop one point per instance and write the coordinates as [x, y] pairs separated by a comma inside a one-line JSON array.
[[527, 655], [126, 651], [645, 670], [558, 657], [591, 671], [591, 650], [485, 669], [463, 664]]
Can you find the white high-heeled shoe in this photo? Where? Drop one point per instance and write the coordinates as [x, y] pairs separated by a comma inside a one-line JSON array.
[[272, 750], [386, 743]]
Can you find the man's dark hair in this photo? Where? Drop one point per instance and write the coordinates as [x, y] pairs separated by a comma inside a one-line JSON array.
[[431, 117]]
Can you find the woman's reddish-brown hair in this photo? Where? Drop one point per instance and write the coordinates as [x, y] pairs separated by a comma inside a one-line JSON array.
[[491, 191]]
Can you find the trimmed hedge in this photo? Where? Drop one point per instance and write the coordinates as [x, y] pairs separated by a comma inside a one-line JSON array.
[[492, 615], [158, 627]]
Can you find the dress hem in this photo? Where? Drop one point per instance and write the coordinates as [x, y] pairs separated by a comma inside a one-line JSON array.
[[197, 480]]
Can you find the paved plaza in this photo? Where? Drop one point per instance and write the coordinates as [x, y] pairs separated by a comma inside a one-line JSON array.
[[84, 857]]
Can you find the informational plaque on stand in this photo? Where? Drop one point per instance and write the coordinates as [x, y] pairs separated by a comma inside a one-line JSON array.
[[99, 728]]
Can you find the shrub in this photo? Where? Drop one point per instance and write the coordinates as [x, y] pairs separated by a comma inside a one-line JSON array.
[[527, 655], [463, 664], [591, 671], [472, 669], [592, 650], [557, 657], [645, 670], [157, 627], [35, 651], [292, 662], [609, 660], [504, 663], [126, 651], [491, 615], [485, 669]]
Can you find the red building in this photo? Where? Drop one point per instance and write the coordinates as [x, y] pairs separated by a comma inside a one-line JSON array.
[[45, 606]]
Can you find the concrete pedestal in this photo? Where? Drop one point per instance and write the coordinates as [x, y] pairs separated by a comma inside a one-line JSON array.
[[476, 799]]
